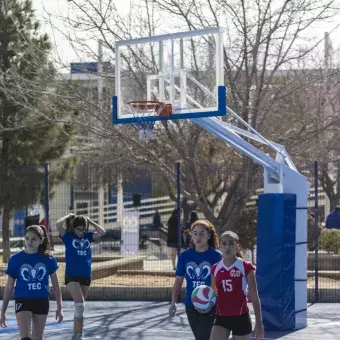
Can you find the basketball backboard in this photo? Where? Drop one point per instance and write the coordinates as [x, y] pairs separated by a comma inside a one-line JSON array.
[[183, 69]]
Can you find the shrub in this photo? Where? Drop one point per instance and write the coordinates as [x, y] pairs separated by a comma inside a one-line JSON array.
[[330, 240]]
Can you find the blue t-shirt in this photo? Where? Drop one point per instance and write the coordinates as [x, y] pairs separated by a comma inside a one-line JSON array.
[[196, 267], [333, 220], [31, 272], [78, 254]]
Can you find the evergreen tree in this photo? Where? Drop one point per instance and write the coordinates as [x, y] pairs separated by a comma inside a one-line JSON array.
[[28, 136]]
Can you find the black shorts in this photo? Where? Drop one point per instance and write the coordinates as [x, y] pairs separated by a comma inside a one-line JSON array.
[[83, 280], [200, 323], [237, 324], [39, 306]]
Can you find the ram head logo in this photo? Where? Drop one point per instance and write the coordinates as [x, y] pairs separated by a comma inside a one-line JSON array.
[[29, 273], [81, 244], [201, 272]]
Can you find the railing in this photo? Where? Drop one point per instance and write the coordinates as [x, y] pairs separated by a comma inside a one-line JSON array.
[[147, 209]]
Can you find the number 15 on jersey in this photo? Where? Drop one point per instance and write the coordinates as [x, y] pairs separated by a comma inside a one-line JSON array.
[[227, 286]]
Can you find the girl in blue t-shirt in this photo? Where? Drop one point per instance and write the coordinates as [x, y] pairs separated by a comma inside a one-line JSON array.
[[30, 270], [194, 265], [78, 257]]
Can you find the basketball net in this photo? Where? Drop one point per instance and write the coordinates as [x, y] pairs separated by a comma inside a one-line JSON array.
[[144, 109]]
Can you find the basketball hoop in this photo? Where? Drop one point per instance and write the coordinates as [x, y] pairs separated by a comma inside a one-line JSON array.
[[142, 110]]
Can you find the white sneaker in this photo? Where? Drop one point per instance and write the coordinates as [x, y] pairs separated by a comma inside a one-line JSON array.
[[80, 336]]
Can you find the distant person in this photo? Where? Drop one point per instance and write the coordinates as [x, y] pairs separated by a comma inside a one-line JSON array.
[[187, 208], [333, 219], [172, 240], [157, 222], [157, 225], [186, 231]]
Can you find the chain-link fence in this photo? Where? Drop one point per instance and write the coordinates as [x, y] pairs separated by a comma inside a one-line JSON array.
[[324, 233], [137, 251]]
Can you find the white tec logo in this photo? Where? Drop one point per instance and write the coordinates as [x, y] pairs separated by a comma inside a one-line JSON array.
[[81, 246], [235, 273], [33, 276]]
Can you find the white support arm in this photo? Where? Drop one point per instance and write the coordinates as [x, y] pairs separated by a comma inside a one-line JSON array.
[[215, 127], [255, 137]]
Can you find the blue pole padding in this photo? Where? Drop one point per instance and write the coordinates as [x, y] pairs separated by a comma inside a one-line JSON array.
[[222, 100], [114, 110], [275, 265]]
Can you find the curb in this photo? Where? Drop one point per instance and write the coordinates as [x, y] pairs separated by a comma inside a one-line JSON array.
[[146, 272], [326, 295], [121, 293]]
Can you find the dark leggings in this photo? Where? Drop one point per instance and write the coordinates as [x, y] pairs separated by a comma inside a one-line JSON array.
[[200, 324]]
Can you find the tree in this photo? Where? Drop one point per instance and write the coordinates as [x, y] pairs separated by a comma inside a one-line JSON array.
[[28, 137], [313, 105], [263, 41], [246, 230]]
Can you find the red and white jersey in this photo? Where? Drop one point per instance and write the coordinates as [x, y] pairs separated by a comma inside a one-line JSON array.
[[231, 286]]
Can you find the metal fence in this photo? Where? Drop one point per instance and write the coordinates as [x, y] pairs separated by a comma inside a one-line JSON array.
[[324, 228], [140, 258]]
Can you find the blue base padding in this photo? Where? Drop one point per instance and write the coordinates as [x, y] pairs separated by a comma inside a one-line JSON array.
[[275, 264]]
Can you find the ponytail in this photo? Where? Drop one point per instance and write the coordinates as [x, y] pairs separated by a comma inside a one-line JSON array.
[[239, 253], [74, 221], [45, 247], [69, 223]]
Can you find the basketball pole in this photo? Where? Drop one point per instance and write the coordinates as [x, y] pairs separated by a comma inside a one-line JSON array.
[[281, 180], [286, 190]]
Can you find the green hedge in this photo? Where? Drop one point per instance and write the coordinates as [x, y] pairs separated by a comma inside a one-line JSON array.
[[330, 240]]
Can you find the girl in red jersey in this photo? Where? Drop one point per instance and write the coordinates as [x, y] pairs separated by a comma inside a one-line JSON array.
[[231, 278]]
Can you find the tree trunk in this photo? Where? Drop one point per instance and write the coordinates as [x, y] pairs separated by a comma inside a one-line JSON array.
[[333, 200], [252, 254], [5, 234]]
